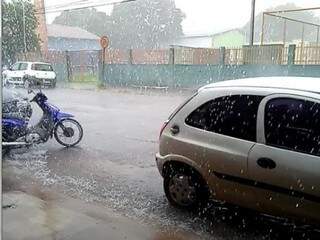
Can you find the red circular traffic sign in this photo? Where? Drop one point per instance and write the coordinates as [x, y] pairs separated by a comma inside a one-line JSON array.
[[104, 41]]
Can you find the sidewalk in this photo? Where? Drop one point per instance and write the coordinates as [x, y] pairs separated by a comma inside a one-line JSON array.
[[30, 217], [79, 85], [94, 86]]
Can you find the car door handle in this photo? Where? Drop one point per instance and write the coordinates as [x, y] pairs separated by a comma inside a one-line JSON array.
[[175, 129], [266, 163]]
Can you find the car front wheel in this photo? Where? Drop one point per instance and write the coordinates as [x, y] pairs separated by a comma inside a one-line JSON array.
[[184, 188]]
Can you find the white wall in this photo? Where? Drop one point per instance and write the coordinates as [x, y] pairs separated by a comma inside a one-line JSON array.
[[196, 42]]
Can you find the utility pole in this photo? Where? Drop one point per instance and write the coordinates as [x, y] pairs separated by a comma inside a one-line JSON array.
[[42, 27], [24, 28], [253, 8]]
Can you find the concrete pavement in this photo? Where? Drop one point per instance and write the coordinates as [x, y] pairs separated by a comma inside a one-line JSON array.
[[29, 217], [114, 167], [42, 217]]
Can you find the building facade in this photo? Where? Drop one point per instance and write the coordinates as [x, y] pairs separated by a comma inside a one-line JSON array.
[[234, 38], [66, 38]]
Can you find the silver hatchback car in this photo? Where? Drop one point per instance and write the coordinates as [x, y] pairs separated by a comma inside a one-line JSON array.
[[251, 142]]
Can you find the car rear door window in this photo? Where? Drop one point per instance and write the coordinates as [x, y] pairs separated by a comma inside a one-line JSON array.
[[234, 116], [293, 124]]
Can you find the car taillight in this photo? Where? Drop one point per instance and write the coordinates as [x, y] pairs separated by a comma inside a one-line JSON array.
[[163, 127]]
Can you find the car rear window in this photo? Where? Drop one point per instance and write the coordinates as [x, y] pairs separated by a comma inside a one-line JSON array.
[[23, 66], [234, 116], [41, 67], [15, 66]]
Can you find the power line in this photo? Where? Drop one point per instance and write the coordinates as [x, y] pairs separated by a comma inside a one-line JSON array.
[[69, 4], [52, 7], [79, 5], [82, 7]]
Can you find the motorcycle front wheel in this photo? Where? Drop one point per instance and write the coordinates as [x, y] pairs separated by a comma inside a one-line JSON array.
[[68, 132]]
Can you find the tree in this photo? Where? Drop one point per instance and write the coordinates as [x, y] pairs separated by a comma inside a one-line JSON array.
[[140, 24], [146, 24], [18, 33], [89, 19], [274, 26]]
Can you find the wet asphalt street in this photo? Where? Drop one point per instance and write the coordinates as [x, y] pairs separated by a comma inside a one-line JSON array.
[[114, 165]]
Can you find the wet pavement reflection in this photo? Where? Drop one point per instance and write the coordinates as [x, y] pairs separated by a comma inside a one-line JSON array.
[[115, 167]]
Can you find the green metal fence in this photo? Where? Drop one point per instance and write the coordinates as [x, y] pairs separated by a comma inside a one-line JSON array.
[[190, 68], [190, 76]]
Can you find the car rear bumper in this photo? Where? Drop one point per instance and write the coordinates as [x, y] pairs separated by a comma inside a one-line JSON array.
[[48, 82], [15, 81], [42, 81], [160, 162], [32, 81]]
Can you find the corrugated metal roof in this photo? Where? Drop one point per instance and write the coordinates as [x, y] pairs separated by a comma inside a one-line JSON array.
[[63, 31]]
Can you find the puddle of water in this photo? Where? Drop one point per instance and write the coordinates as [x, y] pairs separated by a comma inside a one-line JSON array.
[[129, 200]]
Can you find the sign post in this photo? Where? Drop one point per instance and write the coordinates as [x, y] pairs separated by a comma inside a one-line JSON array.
[[104, 42]]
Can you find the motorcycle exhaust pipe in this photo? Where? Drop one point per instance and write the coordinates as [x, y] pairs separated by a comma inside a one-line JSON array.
[[8, 144]]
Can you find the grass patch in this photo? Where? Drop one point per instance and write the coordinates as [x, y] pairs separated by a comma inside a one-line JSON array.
[[101, 85], [85, 78]]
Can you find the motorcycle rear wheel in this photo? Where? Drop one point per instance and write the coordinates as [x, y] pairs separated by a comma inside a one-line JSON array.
[[68, 132]]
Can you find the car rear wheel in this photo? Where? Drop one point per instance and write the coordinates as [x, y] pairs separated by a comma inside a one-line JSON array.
[[184, 188]]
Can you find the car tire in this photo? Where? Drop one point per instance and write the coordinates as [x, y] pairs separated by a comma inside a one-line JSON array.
[[185, 188]]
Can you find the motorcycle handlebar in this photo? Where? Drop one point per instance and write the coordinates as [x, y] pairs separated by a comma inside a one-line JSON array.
[[30, 91]]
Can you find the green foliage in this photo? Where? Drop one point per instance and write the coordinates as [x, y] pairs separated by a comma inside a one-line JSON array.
[[274, 26], [146, 23], [141, 24], [14, 26], [89, 19]]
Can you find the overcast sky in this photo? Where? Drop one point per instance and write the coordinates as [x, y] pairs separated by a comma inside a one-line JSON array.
[[211, 16]]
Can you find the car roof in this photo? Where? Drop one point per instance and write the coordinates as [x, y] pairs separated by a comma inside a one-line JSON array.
[[34, 62], [42, 63], [306, 84]]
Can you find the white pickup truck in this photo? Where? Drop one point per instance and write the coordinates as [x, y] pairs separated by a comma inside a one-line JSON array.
[[32, 73]]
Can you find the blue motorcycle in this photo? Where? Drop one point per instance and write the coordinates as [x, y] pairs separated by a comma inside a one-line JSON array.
[[16, 133]]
